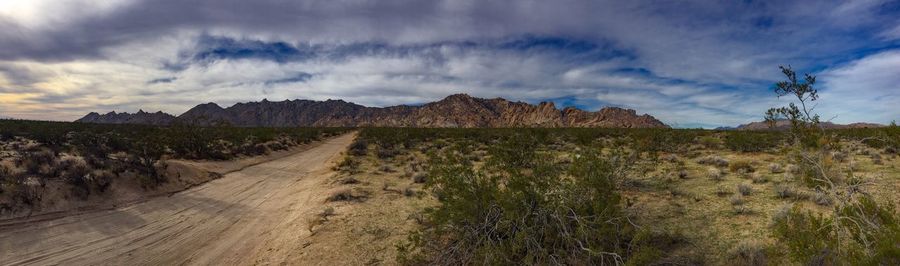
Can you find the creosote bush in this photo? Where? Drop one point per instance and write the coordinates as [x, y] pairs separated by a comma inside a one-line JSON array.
[[856, 230], [522, 208]]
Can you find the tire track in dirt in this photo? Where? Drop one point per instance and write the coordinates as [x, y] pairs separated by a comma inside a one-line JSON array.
[[247, 216]]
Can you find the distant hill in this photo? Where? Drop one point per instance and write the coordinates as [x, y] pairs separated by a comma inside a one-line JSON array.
[[786, 125], [459, 110], [141, 117]]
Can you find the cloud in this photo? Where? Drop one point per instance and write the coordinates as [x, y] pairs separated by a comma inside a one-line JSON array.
[[863, 90], [689, 63]]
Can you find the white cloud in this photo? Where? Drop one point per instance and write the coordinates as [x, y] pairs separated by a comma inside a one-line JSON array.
[[701, 61], [867, 89], [46, 14]]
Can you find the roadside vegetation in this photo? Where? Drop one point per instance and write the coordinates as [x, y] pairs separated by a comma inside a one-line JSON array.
[[807, 196], [79, 161], [592, 196]]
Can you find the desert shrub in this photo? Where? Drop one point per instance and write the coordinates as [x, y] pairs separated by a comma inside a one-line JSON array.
[[386, 169], [651, 248], [348, 195], [759, 178], [683, 174], [386, 153], [520, 211], [672, 158], [420, 178], [715, 174], [752, 141], [738, 204], [876, 159], [37, 162], [822, 199], [24, 192], [750, 253], [409, 192], [359, 147], [839, 156], [741, 166], [722, 191], [710, 142], [745, 189], [76, 173], [871, 237], [713, 160], [349, 165], [101, 180], [857, 230], [793, 169], [348, 181], [775, 168], [784, 191], [6, 177]]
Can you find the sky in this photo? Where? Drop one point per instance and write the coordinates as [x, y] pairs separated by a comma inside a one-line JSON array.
[[688, 63]]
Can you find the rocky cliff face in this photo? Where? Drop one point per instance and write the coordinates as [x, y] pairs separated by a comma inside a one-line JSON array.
[[458, 110]]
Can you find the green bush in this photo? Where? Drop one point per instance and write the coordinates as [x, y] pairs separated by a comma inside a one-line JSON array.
[[753, 141], [520, 208], [359, 147], [864, 233]]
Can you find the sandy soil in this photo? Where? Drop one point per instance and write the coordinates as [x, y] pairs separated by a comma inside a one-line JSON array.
[[255, 215]]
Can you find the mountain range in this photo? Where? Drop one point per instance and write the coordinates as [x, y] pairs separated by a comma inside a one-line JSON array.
[[458, 110], [786, 124]]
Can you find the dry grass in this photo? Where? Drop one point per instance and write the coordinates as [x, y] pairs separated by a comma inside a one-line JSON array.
[[726, 219]]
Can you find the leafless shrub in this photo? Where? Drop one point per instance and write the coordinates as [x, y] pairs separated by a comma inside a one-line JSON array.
[[839, 156], [319, 218], [715, 174], [876, 159], [759, 178], [745, 189], [793, 169], [683, 174], [782, 212], [775, 168], [722, 191], [821, 198], [736, 200], [386, 153], [37, 162], [359, 147], [420, 178], [348, 195], [386, 169], [750, 253], [713, 160], [348, 180], [672, 158], [409, 192], [741, 167], [738, 204], [784, 191]]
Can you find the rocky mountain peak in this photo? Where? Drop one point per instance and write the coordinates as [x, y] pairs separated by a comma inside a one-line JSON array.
[[457, 110]]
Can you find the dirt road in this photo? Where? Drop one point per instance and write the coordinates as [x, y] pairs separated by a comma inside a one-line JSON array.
[[254, 216]]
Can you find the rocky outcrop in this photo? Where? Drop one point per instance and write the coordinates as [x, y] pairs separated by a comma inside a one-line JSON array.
[[141, 117], [457, 110], [786, 125]]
